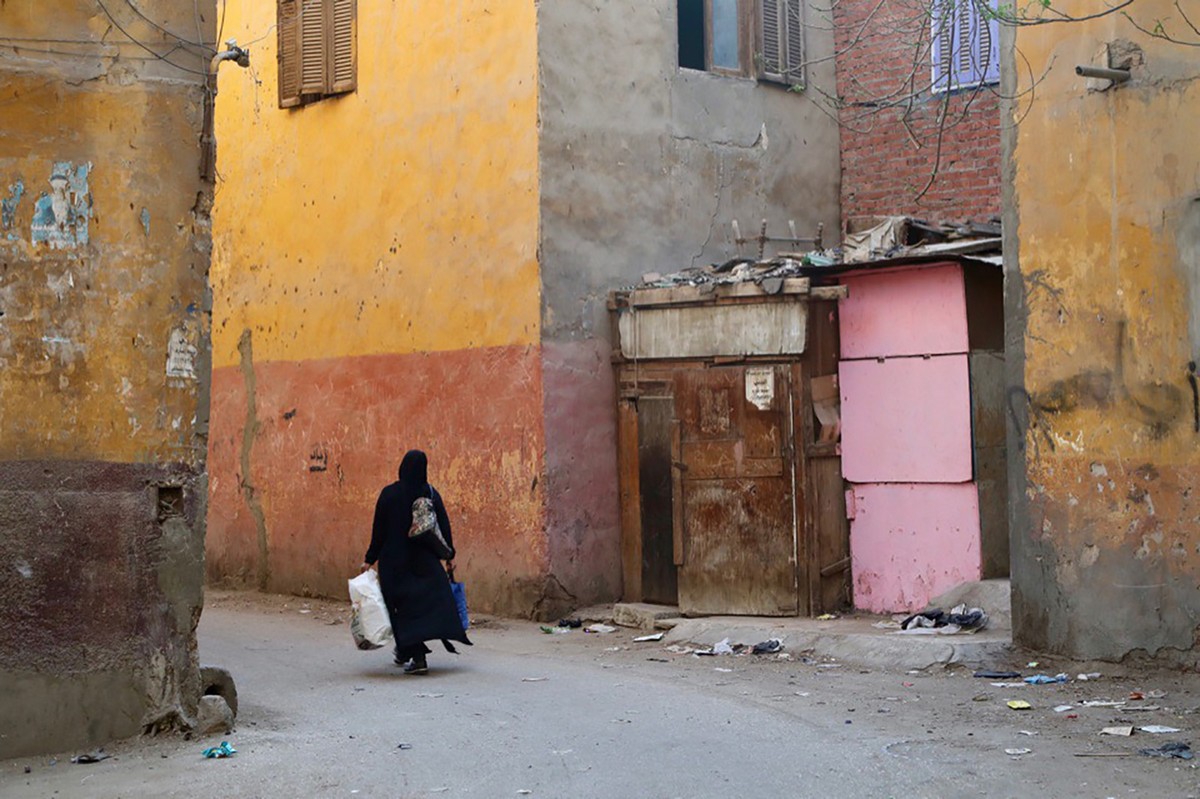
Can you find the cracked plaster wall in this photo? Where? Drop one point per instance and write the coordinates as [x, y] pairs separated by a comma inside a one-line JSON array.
[[643, 168], [104, 252], [1101, 242]]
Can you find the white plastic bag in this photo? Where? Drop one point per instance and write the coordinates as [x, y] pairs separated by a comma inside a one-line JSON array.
[[369, 622]]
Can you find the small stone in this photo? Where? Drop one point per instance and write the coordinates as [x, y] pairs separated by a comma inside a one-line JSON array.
[[216, 681], [213, 716], [29, 769]]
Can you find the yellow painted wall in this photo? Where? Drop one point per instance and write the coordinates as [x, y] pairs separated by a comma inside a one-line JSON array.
[[376, 288], [400, 218], [85, 327], [1107, 544]]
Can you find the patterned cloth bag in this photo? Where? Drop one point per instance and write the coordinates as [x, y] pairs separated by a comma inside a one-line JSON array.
[[425, 527]]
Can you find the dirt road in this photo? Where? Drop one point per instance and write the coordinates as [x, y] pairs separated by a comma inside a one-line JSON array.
[[529, 714]]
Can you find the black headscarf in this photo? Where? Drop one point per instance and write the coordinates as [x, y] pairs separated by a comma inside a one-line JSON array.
[[414, 472]]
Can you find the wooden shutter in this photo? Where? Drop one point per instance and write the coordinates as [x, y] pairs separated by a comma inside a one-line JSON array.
[[943, 42], [314, 47], [287, 56], [771, 42], [793, 28], [344, 71], [966, 39], [966, 49], [989, 46], [781, 41]]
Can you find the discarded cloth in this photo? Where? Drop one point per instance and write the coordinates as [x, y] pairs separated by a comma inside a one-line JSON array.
[[1176, 749], [966, 619], [91, 757], [768, 647]]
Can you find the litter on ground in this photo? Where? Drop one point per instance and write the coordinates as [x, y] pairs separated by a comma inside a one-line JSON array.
[[1176, 749], [223, 750], [1124, 731]]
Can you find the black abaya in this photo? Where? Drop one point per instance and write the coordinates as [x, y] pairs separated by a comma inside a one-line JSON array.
[[415, 586]]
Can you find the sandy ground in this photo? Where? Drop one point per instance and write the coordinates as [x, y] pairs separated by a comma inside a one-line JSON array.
[[577, 715]]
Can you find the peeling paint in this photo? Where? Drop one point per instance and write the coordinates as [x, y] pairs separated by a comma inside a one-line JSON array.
[[8, 206], [145, 217], [60, 216]]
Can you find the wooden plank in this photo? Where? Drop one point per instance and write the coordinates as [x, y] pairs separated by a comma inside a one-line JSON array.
[[679, 556], [641, 298], [706, 331], [828, 499], [791, 285], [990, 459], [830, 293], [631, 503], [656, 492], [709, 293], [807, 584]]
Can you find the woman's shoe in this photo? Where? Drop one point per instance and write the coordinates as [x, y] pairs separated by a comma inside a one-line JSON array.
[[416, 666]]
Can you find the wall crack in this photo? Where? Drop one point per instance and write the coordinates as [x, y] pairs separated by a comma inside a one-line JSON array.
[[249, 432]]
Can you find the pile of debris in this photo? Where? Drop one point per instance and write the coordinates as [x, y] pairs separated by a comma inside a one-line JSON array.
[[736, 270], [868, 239], [876, 238]]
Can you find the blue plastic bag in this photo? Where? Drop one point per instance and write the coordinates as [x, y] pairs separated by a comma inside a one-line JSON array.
[[460, 599]]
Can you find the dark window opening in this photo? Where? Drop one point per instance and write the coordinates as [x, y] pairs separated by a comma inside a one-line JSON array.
[[693, 46], [170, 502]]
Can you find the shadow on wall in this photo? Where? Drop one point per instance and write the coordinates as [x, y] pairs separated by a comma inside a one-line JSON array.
[[1158, 406]]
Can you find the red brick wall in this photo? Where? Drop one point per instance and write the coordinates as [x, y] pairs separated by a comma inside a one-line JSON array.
[[883, 169]]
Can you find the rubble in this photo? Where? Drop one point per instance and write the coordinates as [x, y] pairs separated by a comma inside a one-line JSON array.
[[867, 239]]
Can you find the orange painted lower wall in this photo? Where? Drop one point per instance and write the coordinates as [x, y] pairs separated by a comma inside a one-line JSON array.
[[299, 451]]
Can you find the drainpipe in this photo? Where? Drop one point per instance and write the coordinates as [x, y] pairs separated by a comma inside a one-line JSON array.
[[208, 141], [1103, 73]]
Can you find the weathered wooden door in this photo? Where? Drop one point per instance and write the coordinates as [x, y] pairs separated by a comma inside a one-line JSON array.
[[736, 504]]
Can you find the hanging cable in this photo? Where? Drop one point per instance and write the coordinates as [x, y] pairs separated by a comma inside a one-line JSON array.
[[172, 34], [145, 47]]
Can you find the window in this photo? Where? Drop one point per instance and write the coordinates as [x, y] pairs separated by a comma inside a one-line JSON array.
[[720, 35], [317, 55], [966, 44]]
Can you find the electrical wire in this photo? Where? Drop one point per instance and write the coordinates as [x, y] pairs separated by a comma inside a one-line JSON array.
[[145, 47], [19, 48], [170, 33]]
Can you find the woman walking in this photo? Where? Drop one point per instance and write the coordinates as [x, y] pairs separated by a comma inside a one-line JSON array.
[[415, 586]]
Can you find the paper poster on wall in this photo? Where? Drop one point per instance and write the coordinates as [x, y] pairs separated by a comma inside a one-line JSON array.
[[760, 386]]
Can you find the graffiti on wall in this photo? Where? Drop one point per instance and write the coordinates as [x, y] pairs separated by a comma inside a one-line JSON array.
[[61, 215]]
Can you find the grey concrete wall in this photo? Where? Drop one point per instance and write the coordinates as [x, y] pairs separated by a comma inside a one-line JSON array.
[[643, 167]]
